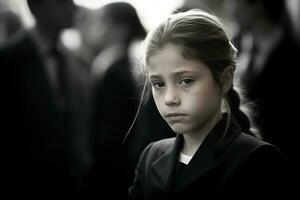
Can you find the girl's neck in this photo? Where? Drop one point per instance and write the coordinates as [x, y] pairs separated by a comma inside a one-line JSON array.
[[192, 141]]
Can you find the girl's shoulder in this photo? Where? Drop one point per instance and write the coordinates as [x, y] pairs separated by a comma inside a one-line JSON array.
[[158, 148], [249, 143], [247, 147], [163, 145]]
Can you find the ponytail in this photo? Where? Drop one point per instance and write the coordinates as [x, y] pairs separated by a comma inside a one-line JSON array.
[[243, 118]]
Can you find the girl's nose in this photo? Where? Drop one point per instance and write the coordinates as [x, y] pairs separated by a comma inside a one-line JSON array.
[[172, 98]]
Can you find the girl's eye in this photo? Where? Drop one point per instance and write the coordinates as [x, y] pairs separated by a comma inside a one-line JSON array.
[[158, 84], [186, 82]]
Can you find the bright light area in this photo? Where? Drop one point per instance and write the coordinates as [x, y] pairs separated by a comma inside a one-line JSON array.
[[151, 12], [20, 7], [71, 38]]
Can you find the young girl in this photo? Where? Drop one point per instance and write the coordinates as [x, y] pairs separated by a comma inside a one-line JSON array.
[[190, 65]]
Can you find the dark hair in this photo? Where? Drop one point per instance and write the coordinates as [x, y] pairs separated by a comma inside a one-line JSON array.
[[274, 10], [201, 36], [125, 13], [32, 3]]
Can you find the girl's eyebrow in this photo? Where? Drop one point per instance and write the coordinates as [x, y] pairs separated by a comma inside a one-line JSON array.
[[154, 76], [180, 73], [175, 74]]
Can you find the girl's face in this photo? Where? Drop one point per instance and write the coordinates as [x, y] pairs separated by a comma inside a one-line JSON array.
[[184, 91]]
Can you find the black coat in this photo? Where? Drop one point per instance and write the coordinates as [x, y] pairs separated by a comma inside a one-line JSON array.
[[275, 97], [114, 105], [116, 95], [45, 147], [238, 167]]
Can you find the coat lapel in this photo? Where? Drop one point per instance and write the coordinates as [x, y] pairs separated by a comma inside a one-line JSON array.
[[36, 74], [203, 160], [210, 152], [165, 167]]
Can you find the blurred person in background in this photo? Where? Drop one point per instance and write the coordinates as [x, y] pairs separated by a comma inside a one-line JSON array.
[[11, 27], [210, 6], [294, 11], [44, 89], [112, 32], [268, 56], [85, 19]]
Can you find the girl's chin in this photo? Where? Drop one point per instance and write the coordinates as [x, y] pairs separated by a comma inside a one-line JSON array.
[[179, 129]]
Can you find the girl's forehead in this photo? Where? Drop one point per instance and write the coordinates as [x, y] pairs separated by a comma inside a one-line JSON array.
[[169, 53], [169, 58]]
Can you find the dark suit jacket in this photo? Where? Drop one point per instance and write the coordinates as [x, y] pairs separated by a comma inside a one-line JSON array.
[[275, 94], [114, 104], [238, 167], [274, 91], [45, 145]]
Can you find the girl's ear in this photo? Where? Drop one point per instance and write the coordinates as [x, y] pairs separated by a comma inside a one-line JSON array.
[[226, 79]]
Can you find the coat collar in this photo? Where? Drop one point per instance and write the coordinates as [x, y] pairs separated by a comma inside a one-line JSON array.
[[165, 166], [205, 158]]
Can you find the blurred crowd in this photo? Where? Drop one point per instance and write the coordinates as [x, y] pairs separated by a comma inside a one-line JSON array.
[[68, 111]]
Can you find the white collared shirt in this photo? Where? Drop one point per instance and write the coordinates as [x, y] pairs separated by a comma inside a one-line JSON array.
[[185, 159]]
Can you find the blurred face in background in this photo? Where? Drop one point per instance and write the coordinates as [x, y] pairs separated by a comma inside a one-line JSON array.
[[100, 31]]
